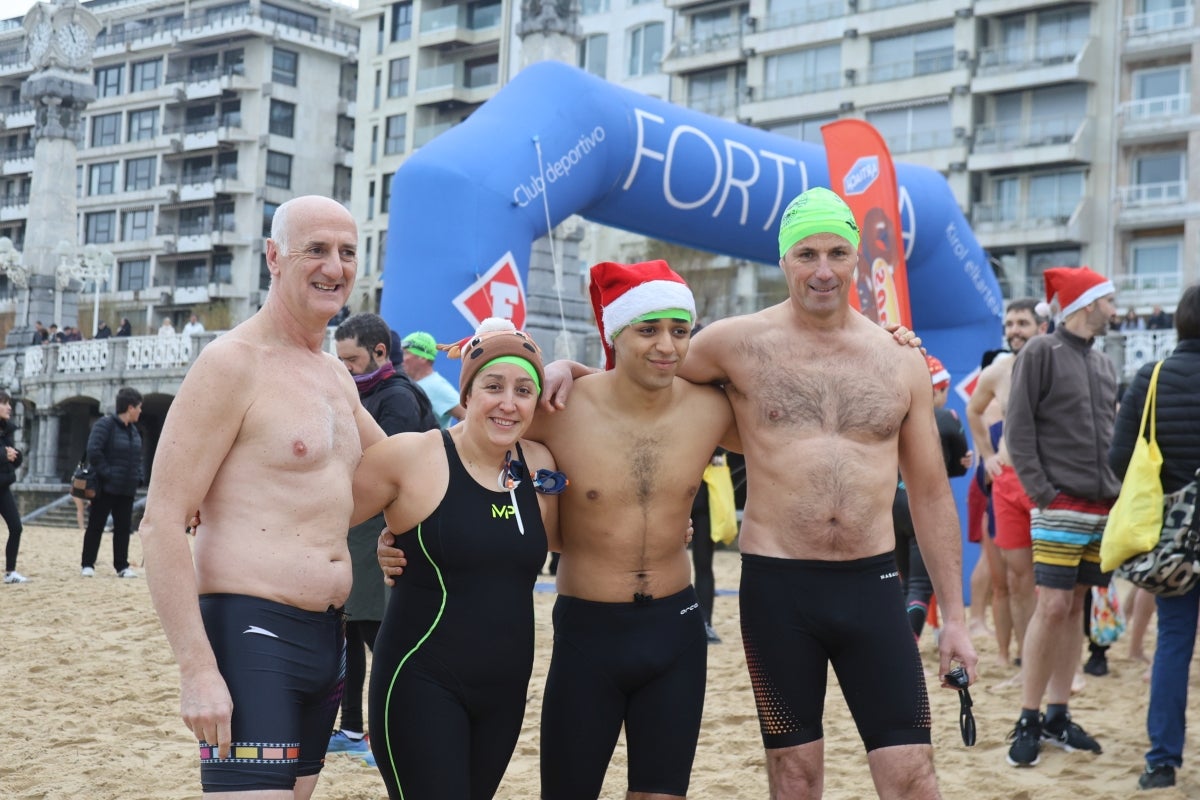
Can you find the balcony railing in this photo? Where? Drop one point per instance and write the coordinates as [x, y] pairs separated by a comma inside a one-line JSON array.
[[1172, 105], [920, 140], [1153, 194], [1035, 133], [804, 85], [201, 21], [699, 45], [1162, 21], [424, 134], [99, 355], [1028, 55], [15, 199], [921, 64], [17, 153], [201, 75], [456, 16], [1017, 214], [16, 108], [1155, 282], [1129, 350], [813, 12], [206, 124], [719, 105]]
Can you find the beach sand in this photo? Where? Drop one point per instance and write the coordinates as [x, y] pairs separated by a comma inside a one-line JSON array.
[[92, 708]]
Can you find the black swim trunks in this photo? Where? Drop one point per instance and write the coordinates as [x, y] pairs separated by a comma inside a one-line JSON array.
[[284, 667], [800, 616]]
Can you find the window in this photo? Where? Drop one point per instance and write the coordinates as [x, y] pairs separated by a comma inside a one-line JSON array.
[[203, 68], [222, 268], [645, 49], [371, 200], [1061, 33], [195, 221], [191, 272], [1159, 178], [100, 227], [806, 130], [922, 53], [374, 144], [401, 21], [284, 66], [145, 75], [1055, 195], [587, 7], [1159, 92], [395, 141], [136, 225], [234, 62], [279, 170], [1156, 257], [593, 54], [79, 180], [817, 69], [139, 173], [385, 193], [286, 16], [914, 128], [268, 215], [143, 124], [102, 178], [224, 218], [110, 80], [711, 93], [377, 96], [483, 14], [398, 77], [786, 13], [283, 118], [132, 275], [481, 72], [106, 129], [227, 164], [1055, 113]]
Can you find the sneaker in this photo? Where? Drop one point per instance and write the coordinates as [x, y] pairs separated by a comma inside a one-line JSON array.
[[87, 572], [341, 743], [15, 577], [1157, 777], [1097, 664], [1026, 738], [711, 634], [1069, 737], [127, 573], [368, 760]]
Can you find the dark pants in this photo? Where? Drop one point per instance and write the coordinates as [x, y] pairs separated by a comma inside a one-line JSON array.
[[702, 560], [12, 518], [121, 508], [359, 635]]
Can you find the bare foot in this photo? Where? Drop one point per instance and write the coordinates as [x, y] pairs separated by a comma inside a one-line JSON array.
[[1078, 683], [1138, 657], [1146, 675], [1009, 683], [978, 627]]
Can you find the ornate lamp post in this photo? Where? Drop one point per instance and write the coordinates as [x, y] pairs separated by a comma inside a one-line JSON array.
[[88, 264]]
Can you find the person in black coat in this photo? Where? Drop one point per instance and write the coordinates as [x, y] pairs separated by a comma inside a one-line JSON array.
[[8, 504], [114, 451], [125, 329]]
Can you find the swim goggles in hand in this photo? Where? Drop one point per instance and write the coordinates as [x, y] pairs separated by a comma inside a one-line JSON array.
[[544, 480], [958, 679]]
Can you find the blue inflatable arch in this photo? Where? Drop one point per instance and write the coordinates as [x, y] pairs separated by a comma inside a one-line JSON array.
[[556, 141]]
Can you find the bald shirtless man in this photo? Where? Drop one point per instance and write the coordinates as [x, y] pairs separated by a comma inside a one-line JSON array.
[[1010, 504], [263, 438]]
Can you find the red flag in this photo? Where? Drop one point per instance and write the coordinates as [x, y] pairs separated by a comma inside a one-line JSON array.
[[860, 170]]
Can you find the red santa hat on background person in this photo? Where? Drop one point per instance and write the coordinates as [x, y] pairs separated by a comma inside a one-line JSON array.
[[938, 374], [1075, 287], [623, 294]]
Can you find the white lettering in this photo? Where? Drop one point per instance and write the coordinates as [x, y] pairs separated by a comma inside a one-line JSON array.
[[525, 194], [639, 115], [692, 607], [712, 189], [504, 298], [742, 185]]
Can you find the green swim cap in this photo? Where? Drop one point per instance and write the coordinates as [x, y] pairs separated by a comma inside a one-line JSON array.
[[816, 211], [420, 343]]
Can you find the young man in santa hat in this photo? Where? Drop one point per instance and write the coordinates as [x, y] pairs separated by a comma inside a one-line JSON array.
[[1062, 404]]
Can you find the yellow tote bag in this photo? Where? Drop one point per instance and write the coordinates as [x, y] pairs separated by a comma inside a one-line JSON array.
[[721, 508], [1136, 519]]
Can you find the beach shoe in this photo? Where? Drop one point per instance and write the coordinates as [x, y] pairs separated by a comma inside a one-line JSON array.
[[87, 572], [711, 634], [127, 573], [1069, 736], [341, 743], [368, 760], [1157, 777], [1026, 738], [15, 577], [1097, 664]]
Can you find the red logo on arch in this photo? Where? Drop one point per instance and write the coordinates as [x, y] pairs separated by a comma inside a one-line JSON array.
[[497, 293]]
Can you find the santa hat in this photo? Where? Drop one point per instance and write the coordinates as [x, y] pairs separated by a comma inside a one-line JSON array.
[[938, 374], [495, 339], [1075, 288], [623, 294]]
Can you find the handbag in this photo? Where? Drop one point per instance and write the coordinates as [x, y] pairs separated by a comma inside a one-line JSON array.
[[1136, 519], [1107, 621], [721, 509], [83, 482], [1172, 567]]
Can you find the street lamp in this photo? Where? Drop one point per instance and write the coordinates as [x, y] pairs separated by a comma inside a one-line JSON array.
[[89, 264]]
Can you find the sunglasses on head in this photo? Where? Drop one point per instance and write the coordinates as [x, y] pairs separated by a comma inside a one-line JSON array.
[[544, 480]]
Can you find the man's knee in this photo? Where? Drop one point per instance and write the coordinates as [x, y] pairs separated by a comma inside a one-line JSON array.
[[796, 773], [905, 771]]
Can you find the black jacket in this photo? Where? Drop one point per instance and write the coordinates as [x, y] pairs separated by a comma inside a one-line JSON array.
[[400, 406], [8, 469], [1178, 416], [114, 451], [954, 441]]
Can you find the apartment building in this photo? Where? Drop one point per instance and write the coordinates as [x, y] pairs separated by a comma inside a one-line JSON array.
[[1059, 152], [208, 115]]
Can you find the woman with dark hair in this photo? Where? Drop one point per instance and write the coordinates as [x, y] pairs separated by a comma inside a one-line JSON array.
[[8, 503], [114, 451], [125, 329], [1177, 420]]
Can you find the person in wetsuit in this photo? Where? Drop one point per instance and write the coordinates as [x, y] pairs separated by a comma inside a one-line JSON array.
[[454, 653]]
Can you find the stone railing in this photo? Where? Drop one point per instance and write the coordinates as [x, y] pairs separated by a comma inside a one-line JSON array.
[[96, 356]]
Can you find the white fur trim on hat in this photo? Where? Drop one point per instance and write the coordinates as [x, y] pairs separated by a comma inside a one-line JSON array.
[[1089, 296], [643, 299]]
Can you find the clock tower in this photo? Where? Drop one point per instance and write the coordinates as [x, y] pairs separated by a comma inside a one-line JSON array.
[[60, 37]]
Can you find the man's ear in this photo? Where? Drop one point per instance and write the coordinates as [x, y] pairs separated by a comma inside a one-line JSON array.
[[380, 352]]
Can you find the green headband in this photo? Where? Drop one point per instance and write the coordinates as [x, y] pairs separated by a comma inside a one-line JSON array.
[[816, 211], [666, 313], [520, 362]]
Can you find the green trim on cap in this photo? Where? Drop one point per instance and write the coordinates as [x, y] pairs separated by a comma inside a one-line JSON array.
[[666, 313]]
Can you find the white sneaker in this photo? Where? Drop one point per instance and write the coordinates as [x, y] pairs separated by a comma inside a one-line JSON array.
[[15, 577], [127, 573], [87, 572]]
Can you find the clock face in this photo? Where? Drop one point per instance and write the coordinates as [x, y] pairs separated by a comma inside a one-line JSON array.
[[74, 43], [39, 42]]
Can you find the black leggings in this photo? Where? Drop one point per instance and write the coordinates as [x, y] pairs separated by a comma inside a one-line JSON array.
[[12, 518], [702, 560], [359, 635], [121, 508], [918, 588]]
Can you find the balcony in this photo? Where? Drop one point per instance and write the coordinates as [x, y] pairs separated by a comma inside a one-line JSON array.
[[207, 133], [1149, 289], [1009, 225], [1048, 140], [17, 160], [705, 52], [1016, 66], [1153, 34], [921, 64], [201, 26], [201, 84], [460, 24], [1154, 204], [14, 206], [718, 105], [1129, 350], [916, 141], [424, 134], [1153, 119], [446, 82], [813, 12], [801, 85], [17, 115]]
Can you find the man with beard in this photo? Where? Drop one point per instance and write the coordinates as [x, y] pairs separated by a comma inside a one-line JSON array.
[[1010, 505]]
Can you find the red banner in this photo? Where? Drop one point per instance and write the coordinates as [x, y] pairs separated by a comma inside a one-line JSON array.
[[860, 170]]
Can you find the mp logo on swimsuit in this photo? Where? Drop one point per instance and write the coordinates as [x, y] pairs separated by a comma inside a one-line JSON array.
[[887, 575], [502, 512], [259, 631]]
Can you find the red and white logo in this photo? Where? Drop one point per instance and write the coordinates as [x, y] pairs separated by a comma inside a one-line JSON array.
[[497, 293], [966, 387]]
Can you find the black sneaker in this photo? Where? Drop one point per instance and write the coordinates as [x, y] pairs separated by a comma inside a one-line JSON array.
[[1157, 777], [1069, 736], [711, 634], [1096, 665], [1026, 740]]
